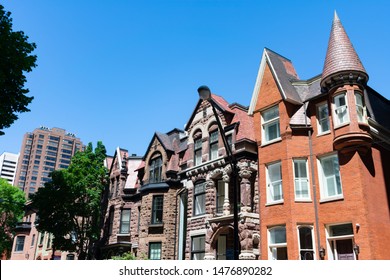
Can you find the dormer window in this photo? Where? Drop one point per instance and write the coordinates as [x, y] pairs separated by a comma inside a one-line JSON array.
[[360, 109], [155, 169], [341, 115], [270, 120]]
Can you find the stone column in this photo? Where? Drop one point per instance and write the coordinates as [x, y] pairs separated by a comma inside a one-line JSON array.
[[245, 173]]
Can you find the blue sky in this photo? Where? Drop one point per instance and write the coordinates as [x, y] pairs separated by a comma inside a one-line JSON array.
[[118, 71]]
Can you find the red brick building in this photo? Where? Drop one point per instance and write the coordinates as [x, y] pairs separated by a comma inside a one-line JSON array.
[[322, 144]]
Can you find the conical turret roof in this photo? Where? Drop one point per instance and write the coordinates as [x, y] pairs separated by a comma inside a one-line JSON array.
[[341, 56]]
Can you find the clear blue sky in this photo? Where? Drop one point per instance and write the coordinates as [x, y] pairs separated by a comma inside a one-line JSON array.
[[117, 71]]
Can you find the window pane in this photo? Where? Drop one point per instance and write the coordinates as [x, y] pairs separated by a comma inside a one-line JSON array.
[[341, 109], [278, 235], [271, 113], [331, 175], [198, 247], [220, 196], [305, 238], [157, 209], [270, 119], [155, 251], [19, 246], [275, 188], [199, 198], [301, 179], [272, 131], [125, 221]]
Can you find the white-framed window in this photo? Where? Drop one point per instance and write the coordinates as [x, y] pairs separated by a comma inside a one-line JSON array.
[[199, 207], [323, 118], [197, 247], [306, 243], [274, 183], [360, 108], [213, 144], [341, 115], [330, 179], [277, 243], [301, 179], [125, 221], [340, 239], [19, 244], [198, 151], [220, 196], [270, 124], [155, 250]]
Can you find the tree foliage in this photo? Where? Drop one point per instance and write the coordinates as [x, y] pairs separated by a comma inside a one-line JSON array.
[[15, 60], [69, 206], [12, 202]]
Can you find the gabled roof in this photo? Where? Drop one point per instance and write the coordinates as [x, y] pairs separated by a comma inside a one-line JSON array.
[[171, 142], [118, 156], [284, 74], [221, 103], [245, 127], [340, 55]]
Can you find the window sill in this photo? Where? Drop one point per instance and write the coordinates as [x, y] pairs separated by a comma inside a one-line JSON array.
[[275, 203], [333, 198], [279, 139], [201, 216], [303, 200], [342, 125], [123, 234], [323, 133], [156, 225]]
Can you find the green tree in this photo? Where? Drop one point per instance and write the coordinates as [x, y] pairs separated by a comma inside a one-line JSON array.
[[15, 60], [12, 202], [69, 206]]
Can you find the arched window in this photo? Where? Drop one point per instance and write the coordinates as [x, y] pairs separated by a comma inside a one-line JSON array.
[[155, 169], [306, 249], [213, 144], [198, 148]]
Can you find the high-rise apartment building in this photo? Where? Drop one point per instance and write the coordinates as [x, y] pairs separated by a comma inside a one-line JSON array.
[[43, 151], [8, 164]]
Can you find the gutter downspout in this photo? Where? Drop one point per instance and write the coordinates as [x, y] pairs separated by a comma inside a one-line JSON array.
[[178, 193], [313, 181]]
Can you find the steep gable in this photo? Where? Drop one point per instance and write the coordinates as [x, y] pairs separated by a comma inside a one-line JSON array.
[[274, 82]]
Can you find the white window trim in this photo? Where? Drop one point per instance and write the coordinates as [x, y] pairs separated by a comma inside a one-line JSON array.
[[312, 237], [364, 109], [264, 142], [323, 197], [330, 239], [335, 116], [317, 118], [269, 201], [274, 245], [308, 199]]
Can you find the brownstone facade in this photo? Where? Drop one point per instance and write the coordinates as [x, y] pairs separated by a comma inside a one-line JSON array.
[[208, 196], [119, 232]]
